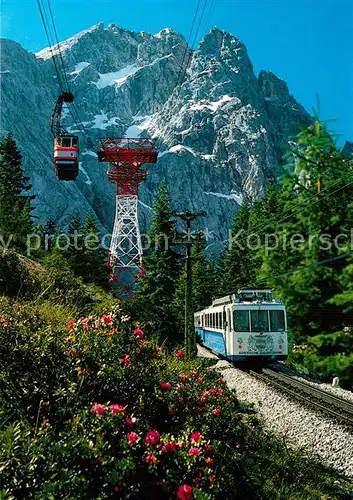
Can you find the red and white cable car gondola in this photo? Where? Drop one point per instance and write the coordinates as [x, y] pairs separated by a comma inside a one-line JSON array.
[[66, 151], [66, 157]]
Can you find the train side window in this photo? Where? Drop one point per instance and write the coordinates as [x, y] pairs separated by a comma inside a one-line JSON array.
[[241, 321], [259, 321], [224, 319], [216, 320], [277, 321], [220, 319]]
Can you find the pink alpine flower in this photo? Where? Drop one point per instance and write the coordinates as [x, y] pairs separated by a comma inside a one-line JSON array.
[[200, 380], [107, 319], [169, 446], [193, 451], [165, 386], [98, 409], [151, 459], [129, 421], [70, 324], [216, 412], [138, 332], [208, 449], [210, 461], [117, 409], [220, 380], [194, 373], [184, 492], [86, 327], [196, 437], [132, 438], [180, 353], [125, 361], [183, 377], [71, 352], [152, 437]]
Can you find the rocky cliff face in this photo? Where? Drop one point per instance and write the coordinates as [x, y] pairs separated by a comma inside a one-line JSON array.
[[218, 132]]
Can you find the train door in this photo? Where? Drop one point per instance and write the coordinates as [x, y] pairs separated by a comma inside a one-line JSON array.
[[228, 330]]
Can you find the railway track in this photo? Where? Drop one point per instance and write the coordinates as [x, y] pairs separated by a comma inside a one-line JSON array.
[[337, 408], [321, 401]]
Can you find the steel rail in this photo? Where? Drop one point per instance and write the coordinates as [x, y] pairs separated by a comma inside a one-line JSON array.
[[335, 407]]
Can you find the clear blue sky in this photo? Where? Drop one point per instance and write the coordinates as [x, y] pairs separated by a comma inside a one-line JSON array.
[[308, 43]]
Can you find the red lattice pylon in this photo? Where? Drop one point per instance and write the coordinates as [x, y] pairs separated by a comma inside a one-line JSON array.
[[125, 157]]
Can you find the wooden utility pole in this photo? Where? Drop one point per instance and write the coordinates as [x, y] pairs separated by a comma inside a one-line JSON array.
[[186, 240]]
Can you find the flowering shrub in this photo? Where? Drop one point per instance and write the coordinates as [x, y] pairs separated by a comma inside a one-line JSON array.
[[94, 409]]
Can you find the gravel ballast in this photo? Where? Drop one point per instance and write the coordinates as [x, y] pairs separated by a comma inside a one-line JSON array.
[[302, 427]]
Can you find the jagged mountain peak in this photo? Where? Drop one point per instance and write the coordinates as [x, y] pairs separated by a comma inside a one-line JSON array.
[[215, 123]]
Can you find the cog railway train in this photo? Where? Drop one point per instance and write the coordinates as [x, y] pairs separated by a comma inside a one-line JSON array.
[[247, 326]]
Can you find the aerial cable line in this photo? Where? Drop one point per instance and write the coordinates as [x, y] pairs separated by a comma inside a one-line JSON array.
[[188, 43], [303, 268], [58, 46], [211, 12], [50, 44], [193, 42], [77, 120], [200, 21], [295, 212]]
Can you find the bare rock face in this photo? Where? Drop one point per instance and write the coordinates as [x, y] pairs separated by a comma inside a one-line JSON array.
[[217, 126]]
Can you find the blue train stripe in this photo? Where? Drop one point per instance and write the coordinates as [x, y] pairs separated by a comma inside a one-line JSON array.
[[213, 339]]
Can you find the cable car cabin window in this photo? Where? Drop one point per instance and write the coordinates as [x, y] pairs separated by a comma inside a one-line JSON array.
[[66, 142], [216, 314], [74, 141], [241, 321], [259, 321], [214, 320], [220, 320], [224, 319], [277, 321]]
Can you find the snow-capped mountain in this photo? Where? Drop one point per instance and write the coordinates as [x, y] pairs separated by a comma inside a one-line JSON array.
[[218, 133]]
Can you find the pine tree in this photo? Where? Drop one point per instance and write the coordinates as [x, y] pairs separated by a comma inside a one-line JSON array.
[[94, 256], [15, 204], [157, 287], [49, 231], [236, 260], [315, 170], [203, 283], [85, 256]]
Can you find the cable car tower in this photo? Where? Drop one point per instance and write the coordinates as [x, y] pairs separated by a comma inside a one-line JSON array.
[[125, 157]]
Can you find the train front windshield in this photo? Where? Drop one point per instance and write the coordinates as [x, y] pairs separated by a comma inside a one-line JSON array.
[[259, 320]]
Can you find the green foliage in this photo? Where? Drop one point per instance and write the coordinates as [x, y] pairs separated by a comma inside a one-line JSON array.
[[84, 257], [157, 287], [315, 170], [296, 226], [15, 204], [203, 283], [72, 395]]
